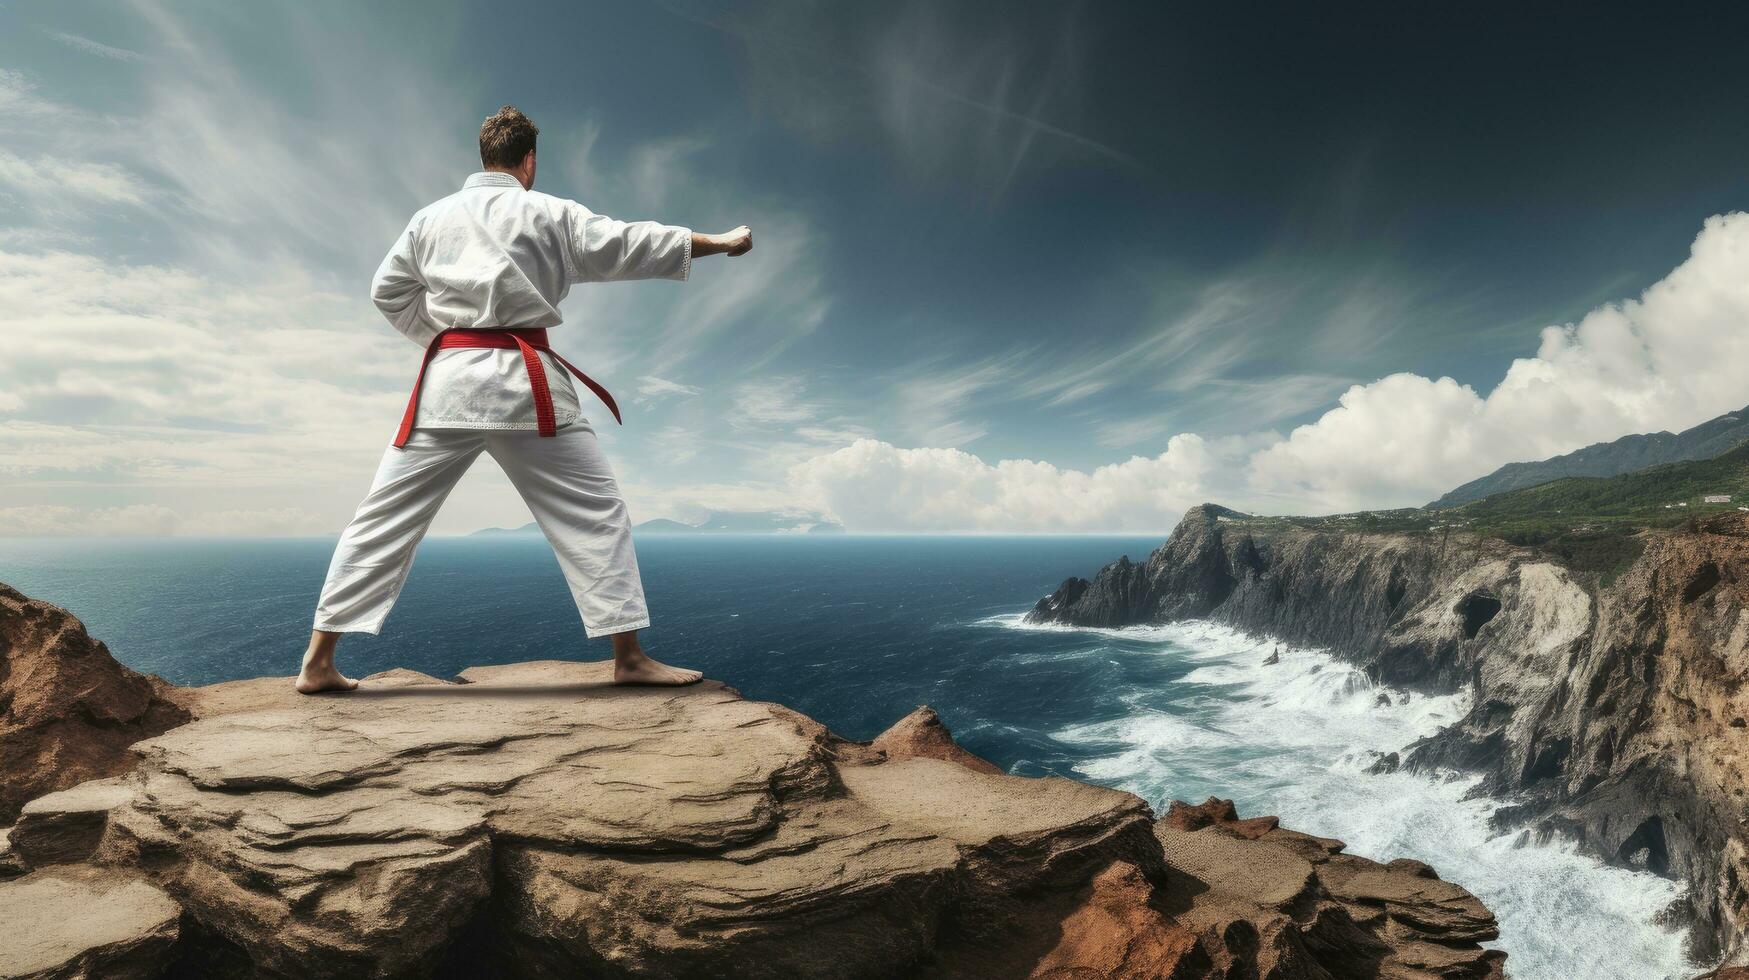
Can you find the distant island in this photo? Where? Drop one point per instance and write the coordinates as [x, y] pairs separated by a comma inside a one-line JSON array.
[[719, 522]]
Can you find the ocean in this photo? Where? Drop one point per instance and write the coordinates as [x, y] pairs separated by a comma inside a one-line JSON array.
[[858, 630]]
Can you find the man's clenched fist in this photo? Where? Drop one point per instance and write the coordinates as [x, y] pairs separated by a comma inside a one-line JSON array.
[[739, 241]]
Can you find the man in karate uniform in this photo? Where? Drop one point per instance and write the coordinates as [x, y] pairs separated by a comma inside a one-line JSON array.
[[476, 279]]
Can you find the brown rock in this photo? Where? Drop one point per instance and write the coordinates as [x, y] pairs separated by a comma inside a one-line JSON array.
[[68, 826], [922, 734], [1429, 906], [1116, 932], [76, 923], [661, 832], [1291, 905], [1216, 812], [10, 863], [68, 711]]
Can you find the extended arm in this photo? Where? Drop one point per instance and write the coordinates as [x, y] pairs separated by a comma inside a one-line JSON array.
[[609, 250]]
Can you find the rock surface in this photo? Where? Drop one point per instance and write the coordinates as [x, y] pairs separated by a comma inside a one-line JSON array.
[[68, 711], [1613, 714], [921, 734], [79, 922], [1272, 902], [534, 820]]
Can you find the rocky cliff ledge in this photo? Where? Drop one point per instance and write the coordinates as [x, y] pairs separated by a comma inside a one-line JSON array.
[[1612, 714], [68, 711], [532, 820]]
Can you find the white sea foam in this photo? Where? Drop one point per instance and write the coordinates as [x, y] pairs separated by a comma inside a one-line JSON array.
[[1295, 738]]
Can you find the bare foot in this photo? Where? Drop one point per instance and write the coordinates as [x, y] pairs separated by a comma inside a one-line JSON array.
[[642, 670], [315, 679]]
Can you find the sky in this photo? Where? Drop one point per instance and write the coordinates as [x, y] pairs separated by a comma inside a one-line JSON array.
[[1018, 267]]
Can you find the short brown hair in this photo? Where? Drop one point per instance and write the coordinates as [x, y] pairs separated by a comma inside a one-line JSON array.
[[506, 137]]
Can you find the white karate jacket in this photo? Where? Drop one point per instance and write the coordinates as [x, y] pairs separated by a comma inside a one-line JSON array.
[[494, 255]]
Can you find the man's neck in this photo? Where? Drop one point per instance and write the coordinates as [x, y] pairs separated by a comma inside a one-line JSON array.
[[504, 170]]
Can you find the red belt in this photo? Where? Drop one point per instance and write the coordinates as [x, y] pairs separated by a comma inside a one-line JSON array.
[[528, 341]]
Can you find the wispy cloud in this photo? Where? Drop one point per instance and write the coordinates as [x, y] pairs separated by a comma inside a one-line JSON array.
[[19, 97], [233, 373], [651, 388], [52, 187], [1126, 433], [770, 401], [933, 402], [769, 300], [80, 43], [242, 365], [965, 99]]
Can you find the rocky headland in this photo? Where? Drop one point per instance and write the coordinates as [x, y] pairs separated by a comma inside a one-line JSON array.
[[533, 820], [1609, 712]]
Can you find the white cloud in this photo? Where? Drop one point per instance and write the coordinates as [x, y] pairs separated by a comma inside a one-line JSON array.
[[268, 521], [1120, 433], [98, 48], [875, 486], [55, 185], [655, 166], [674, 445], [241, 368], [49, 519], [19, 98], [149, 345], [770, 401], [651, 388], [1668, 360], [136, 520]]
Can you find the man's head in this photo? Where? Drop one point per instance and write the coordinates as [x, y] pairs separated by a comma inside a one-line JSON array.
[[507, 143]]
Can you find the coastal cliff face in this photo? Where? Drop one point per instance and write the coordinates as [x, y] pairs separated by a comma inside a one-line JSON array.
[[1614, 715], [534, 820]]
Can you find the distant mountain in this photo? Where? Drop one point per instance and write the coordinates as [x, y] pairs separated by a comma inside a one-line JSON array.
[[1655, 495], [1624, 455], [720, 522]]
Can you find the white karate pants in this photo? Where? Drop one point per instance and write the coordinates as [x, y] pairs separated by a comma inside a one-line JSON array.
[[564, 479]]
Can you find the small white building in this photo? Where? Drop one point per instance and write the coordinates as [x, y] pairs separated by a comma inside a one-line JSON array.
[[1717, 498]]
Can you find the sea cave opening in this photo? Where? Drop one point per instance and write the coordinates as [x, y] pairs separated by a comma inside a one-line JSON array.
[[1477, 609]]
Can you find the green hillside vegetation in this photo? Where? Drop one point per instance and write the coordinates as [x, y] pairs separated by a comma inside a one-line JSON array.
[[1590, 524], [1652, 497], [1629, 454]]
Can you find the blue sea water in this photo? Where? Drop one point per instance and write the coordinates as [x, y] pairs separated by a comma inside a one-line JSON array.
[[857, 630]]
